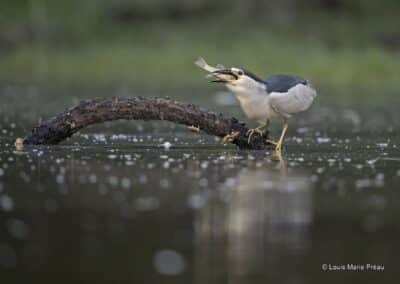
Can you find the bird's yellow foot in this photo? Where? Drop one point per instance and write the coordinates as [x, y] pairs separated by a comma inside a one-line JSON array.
[[278, 148], [278, 145], [276, 156], [251, 132], [231, 137]]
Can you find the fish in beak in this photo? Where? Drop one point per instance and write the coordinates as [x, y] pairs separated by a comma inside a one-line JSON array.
[[219, 73], [224, 76]]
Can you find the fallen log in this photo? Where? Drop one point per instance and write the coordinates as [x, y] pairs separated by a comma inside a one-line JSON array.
[[88, 112]]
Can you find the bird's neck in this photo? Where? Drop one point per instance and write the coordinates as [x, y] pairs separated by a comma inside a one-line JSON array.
[[249, 92]]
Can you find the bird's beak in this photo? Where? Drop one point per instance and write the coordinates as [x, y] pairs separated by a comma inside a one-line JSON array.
[[224, 76]]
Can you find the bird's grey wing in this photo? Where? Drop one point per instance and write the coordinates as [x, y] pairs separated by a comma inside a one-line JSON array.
[[282, 83], [296, 99]]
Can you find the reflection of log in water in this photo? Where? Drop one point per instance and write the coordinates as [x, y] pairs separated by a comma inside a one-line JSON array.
[[263, 223]]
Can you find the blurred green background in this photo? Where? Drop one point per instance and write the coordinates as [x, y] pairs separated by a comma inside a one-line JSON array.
[[150, 45]]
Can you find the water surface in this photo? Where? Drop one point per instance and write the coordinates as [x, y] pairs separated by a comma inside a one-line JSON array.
[[152, 203]]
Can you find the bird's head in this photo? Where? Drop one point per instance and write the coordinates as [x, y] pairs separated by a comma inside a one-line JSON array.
[[238, 79]]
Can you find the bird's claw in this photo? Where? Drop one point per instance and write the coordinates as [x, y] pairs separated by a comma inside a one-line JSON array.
[[271, 142], [231, 137], [251, 132]]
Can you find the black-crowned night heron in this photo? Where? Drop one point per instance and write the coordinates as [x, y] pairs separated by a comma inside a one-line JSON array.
[[262, 100]]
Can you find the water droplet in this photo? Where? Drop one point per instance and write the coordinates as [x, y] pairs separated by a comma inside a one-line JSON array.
[[229, 182], [169, 262], [321, 140], [196, 201], [167, 145], [302, 130], [60, 179], [92, 178], [382, 145], [147, 203], [203, 182], [125, 183], [164, 183], [6, 203], [204, 165], [362, 183]]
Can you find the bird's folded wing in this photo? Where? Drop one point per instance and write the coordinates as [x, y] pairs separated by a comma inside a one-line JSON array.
[[297, 99]]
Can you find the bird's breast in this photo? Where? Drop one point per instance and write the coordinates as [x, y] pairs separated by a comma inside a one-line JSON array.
[[256, 107]]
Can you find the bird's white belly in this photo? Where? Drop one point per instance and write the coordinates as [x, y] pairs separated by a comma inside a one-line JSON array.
[[257, 107]]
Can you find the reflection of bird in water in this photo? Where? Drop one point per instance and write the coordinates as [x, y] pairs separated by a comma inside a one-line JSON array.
[[265, 216], [262, 100]]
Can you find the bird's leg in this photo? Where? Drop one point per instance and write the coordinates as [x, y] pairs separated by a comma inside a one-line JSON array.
[[269, 140], [278, 147], [260, 130]]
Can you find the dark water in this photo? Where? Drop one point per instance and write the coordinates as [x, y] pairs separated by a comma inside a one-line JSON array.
[[153, 203]]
